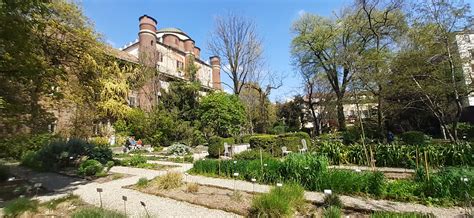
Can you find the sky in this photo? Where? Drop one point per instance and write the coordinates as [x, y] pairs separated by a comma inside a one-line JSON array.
[[117, 21]]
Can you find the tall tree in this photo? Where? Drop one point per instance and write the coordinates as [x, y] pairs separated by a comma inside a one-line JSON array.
[[447, 17], [331, 47], [236, 42]]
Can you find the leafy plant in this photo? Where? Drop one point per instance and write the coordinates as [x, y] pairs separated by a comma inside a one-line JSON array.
[[253, 154], [134, 160], [142, 182], [415, 138], [20, 205], [216, 145], [332, 212], [178, 149], [332, 200], [109, 165], [90, 168]]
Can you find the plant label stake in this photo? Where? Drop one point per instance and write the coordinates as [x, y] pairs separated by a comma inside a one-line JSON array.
[[186, 177], [327, 191], [144, 206], [124, 198], [253, 185], [279, 184], [99, 190], [235, 175]]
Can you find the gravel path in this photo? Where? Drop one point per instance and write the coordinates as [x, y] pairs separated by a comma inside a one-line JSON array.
[[113, 192]]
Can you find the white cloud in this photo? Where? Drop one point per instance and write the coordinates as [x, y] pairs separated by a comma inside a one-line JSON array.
[[110, 42]]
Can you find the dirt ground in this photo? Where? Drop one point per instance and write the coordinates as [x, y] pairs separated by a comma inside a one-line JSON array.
[[210, 197]]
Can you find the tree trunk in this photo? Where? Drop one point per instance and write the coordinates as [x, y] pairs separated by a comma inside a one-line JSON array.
[[340, 113]]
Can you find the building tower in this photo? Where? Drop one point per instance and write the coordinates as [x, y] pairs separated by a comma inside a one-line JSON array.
[[147, 41], [216, 72]]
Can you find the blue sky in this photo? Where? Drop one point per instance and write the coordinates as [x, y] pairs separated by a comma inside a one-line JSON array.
[[117, 21]]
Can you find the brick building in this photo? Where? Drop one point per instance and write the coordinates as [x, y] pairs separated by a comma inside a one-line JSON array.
[[169, 51]]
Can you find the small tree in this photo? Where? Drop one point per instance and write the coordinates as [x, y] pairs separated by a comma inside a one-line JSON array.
[[222, 113]]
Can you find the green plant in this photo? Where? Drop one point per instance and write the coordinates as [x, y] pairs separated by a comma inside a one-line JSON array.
[[415, 138], [265, 142], [20, 205], [252, 155], [170, 180], [403, 190], [376, 183], [332, 200], [94, 212], [90, 168], [17, 146], [216, 145], [142, 182], [279, 202], [109, 165], [332, 212], [134, 160], [178, 149], [4, 173], [387, 214]]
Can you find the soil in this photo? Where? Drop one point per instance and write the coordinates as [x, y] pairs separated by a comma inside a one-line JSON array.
[[210, 197], [111, 177], [10, 190]]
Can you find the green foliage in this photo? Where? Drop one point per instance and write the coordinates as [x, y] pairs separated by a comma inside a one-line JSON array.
[[253, 154], [216, 145], [17, 146], [20, 205], [351, 135], [415, 138], [94, 212], [224, 114], [466, 131], [403, 190], [4, 173], [142, 182], [332, 200], [376, 184], [274, 143], [134, 160], [449, 184], [279, 202], [398, 155], [90, 168], [59, 154], [306, 170], [387, 214], [178, 149], [109, 165], [332, 212]]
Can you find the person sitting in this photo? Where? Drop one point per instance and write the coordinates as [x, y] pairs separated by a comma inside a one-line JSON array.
[[132, 143], [139, 144]]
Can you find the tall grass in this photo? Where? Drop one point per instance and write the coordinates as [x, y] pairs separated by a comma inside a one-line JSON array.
[[170, 180], [94, 212], [279, 202], [332, 212], [20, 205]]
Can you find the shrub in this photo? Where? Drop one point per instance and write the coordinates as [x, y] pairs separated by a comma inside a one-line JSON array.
[[142, 182], [449, 184], [178, 149], [96, 212], [134, 160], [332, 212], [20, 205], [216, 145], [90, 168], [279, 202], [266, 142], [15, 147], [4, 173], [168, 181], [109, 165], [415, 138], [402, 190], [103, 154], [253, 154], [332, 200], [192, 187], [351, 135], [376, 183]]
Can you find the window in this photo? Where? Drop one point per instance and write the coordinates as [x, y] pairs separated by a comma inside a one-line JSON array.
[[151, 42], [466, 38], [179, 65], [52, 127]]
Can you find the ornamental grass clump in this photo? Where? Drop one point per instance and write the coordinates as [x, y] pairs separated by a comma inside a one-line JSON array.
[[332, 212], [279, 202], [168, 181], [305, 169]]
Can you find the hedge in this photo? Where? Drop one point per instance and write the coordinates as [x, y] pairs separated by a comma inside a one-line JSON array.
[[216, 145], [15, 147], [274, 143]]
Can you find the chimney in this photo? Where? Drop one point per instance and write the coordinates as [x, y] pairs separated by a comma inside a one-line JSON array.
[[216, 72], [197, 52], [147, 41]]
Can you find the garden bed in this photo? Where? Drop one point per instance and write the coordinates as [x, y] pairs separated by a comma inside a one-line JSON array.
[[207, 196]]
